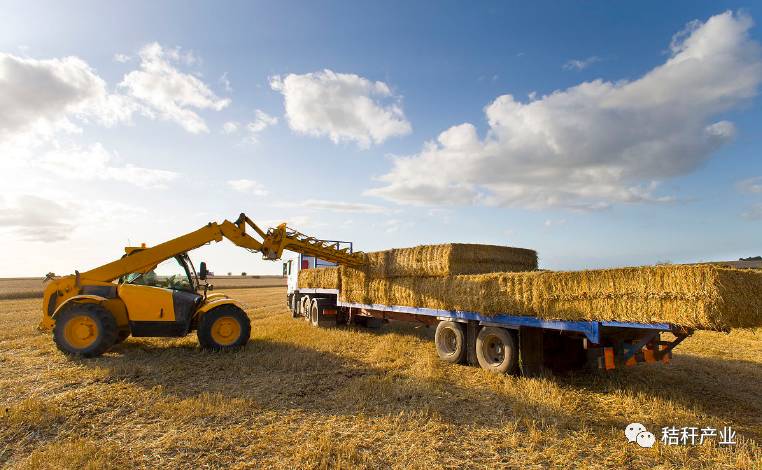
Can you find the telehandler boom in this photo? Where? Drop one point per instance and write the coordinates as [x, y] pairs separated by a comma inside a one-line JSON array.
[[91, 311]]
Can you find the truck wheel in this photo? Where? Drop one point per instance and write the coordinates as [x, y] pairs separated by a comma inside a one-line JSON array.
[[294, 306], [316, 315], [450, 341], [86, 330], [496, 350], [306, 305], [222, 328]]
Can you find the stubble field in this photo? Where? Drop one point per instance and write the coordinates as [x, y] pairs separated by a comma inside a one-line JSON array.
[[299, 397]]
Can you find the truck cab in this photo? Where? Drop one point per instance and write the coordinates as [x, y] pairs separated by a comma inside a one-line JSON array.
[[298, 261]]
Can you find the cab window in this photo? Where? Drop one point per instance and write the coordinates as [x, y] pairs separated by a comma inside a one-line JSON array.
[[169, 274]]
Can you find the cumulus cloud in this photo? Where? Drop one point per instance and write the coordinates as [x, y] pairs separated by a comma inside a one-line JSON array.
[[122, 58], [39, 98], [751, 185], [579, 64], [345, 107], [230, 127], [167, 92], [261, 121], [596, 143], [248, 187]]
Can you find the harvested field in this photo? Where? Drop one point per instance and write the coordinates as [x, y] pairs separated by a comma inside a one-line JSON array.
[[695, 296], [449, 259], [326, 278], [32, 287], [301, 397]]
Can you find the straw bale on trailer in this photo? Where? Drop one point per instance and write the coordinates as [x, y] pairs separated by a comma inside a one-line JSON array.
[[695, 296], [449, 259], [326, 278]]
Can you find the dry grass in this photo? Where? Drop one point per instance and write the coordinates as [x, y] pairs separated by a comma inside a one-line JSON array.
[[696, 296], [299, 397]]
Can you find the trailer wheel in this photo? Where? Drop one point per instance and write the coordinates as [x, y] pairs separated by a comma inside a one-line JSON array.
[[496, 350], [450, 341], [294, 306], [304, 307], [316, 316]]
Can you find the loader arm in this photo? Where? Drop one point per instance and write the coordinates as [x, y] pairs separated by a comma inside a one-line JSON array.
[[272, 244]]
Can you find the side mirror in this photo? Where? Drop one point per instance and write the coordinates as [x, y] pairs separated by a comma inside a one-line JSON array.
[[285, 269], [202, 271]]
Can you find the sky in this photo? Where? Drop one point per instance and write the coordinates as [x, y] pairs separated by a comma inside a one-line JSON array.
[[600, 134]]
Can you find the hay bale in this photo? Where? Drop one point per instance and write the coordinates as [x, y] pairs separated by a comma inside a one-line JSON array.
[[698, 296], [449, 259], [320, 278]]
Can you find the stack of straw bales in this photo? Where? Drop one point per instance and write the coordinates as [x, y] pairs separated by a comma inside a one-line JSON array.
[[494, 280], [325, 278]]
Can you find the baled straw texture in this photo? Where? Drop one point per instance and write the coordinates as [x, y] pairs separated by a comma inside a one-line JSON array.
[[696, 296], [449, 259], [320, 278]]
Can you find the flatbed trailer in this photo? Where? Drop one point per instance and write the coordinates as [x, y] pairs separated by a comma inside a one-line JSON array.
[[503, 343]]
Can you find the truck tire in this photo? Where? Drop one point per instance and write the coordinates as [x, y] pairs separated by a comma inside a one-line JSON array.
[[450, 341], [86, 330], [222, 328], [294, 306], [496, 350], [316, 314], [305, 306]]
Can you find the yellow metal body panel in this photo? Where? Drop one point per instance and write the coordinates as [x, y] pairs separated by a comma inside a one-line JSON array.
[[146, 303], [212, 303]]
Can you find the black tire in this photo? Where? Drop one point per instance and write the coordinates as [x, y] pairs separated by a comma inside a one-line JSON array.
[[122, 335], [102, 324], [305, 307], [209, 337], [294, 306], [496, 350], [317, 318], [450, 340]]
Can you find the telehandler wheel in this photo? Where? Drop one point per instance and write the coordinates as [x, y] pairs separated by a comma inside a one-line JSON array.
[[86, 330], [497, 350], [225, 327], [123, 335]]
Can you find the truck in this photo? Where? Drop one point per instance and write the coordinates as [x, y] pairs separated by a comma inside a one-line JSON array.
[[506, 343]]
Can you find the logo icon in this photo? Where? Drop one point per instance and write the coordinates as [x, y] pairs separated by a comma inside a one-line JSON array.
[[636, 432]]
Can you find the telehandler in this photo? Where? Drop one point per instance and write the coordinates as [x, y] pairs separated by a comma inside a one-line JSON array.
[[91, 311]]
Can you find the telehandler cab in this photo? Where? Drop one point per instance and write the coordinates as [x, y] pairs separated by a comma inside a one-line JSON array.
[[155, 291]]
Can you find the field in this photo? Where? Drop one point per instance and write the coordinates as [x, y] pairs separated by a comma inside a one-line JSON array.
[[300, 397], [27, 287]]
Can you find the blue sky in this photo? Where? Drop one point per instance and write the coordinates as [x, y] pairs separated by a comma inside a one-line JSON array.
[[631, 134]]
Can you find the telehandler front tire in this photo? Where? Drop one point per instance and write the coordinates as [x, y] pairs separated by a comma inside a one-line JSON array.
[[223, 328], [86, 330]]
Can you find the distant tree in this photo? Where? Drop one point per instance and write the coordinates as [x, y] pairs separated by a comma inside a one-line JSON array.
[[243, 274], [230, 274]]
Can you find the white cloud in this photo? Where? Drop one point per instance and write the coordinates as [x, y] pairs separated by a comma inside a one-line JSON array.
[[230, 127], [341, 206], [122, 58], [596, 143], [751, 185], [554, 222], [169, 93], [579, 64], [248, 187], [344, 107], [36, 218], [39, 98], [261, 122], [94, 162]]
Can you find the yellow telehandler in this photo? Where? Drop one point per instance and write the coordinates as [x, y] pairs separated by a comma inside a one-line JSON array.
[[155, 291]]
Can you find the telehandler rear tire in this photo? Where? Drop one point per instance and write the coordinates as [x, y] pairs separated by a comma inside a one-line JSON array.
[[223, 328], [86, 330]]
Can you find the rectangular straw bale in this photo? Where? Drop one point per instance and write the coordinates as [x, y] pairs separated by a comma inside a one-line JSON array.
[[449, 259], [696, 296], [320, 278]]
